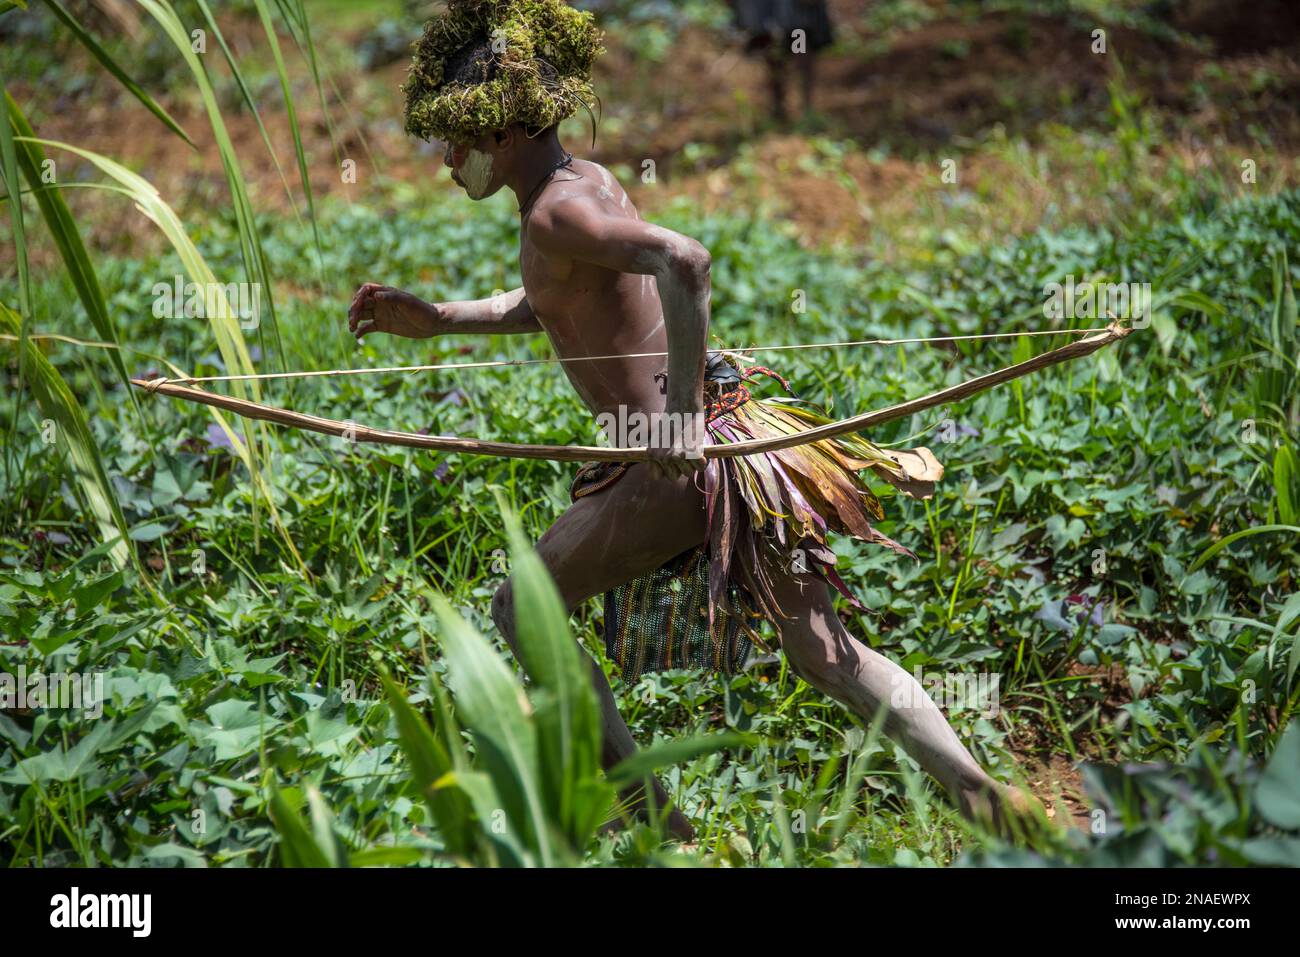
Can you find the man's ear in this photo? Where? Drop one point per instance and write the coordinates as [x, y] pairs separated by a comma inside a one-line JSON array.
[[504, 139]]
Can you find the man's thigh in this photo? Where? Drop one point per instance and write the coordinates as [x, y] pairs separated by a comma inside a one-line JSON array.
[[623, 532]]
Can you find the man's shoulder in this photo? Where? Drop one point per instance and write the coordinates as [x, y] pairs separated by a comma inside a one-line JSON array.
[[568, 210], [578, 201]]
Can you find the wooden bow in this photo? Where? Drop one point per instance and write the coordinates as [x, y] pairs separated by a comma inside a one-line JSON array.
[[590, 453]]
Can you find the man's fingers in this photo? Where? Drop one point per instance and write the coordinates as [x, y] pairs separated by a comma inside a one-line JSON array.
[[364, 293], [358, 305]]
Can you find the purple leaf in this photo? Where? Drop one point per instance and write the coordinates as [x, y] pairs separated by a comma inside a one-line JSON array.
[[1098, 614], [218, 439]]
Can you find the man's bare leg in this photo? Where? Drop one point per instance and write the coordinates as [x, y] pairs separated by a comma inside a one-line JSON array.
[[776, 67], [807, 80], [823, 653], [626, 531]]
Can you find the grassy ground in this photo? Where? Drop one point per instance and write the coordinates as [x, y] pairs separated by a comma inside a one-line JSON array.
[[1141, 690]]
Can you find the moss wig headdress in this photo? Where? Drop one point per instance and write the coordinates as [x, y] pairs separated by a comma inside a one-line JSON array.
[[532, 66]]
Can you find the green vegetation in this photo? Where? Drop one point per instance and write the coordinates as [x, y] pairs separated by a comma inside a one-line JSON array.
[[294, 634]]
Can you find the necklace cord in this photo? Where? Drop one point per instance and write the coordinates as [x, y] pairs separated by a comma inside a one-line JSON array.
[[568, 158]]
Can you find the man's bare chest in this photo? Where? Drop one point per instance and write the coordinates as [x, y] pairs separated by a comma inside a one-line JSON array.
[[544, 277], [561, 291]]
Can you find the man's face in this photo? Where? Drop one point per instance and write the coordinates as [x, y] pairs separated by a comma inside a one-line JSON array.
[[475, 166]]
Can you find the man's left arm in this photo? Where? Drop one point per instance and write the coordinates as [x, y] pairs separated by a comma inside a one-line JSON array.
[[681, 267]]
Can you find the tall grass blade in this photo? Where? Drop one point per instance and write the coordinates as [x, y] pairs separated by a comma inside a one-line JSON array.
[[665, 753], [298, 847], [1223, 543], [9, 172], [292, 115], [67, 237], [72, 432], [224, 323], [249, 238], [108, 63], [247, 95]]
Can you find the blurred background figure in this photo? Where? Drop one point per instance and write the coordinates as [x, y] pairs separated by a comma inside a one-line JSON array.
[[770, 28]]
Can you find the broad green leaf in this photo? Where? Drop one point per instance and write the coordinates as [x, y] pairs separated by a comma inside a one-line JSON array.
[[568, 714], [429, 762], [1273, 851], [322, 829], [493, 707], [1277, 793], [1289, 613], [385, 857], [1286, 476], [62, 764], [237, 729], [502, 843]]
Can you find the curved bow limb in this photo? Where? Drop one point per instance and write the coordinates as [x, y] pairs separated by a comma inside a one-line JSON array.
[[591, 453]]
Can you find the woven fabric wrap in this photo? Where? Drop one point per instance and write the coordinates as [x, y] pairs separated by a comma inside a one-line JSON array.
[[769, 516], [661, 621]]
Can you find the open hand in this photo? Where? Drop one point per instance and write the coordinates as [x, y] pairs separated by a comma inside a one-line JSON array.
[[377, 308]]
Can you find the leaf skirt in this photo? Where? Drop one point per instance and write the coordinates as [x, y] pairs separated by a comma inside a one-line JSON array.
[[769, 517]]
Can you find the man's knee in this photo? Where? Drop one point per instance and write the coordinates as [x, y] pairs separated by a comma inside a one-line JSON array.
[[812, 664], [819, 660]]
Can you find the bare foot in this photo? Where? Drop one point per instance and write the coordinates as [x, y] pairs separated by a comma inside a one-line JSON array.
[[1008, 811], [635, 807], [680, 828]]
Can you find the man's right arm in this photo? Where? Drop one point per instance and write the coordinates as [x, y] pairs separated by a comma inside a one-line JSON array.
[[378, 308], [506, 313]]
